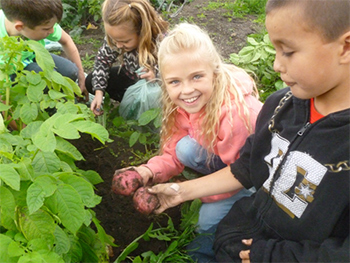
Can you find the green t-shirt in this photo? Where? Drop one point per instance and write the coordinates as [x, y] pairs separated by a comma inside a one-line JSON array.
[[28, 57]]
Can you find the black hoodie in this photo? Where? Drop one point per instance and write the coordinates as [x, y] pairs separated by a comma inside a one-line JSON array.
[[300, 212]]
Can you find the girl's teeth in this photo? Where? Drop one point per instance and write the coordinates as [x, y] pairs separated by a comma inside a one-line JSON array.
[[191, 100]]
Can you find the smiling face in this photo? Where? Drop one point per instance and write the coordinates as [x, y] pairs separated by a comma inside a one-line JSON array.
[[123, 36], [307, 63], [188, 81]]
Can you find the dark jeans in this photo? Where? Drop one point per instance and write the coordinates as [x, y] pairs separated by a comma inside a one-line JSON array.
[[117, 84], [62, 65], [201, 248]]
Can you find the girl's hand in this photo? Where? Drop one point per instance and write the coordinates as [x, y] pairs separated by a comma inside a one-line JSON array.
[[147, 74], [145, 173], [244, 254], [169, 195], [96, 103]]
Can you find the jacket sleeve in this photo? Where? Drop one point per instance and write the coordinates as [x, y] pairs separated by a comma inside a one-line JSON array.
[[331, 250], [167, 165], [103, 62]]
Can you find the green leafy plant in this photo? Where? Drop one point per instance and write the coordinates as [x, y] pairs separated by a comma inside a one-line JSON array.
[[177, 239], [144, 131], [242, 8], [257, 58], [78, 13], [45, 200]]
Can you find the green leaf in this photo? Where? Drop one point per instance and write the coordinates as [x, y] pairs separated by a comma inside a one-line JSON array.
[[96, 130], [83, 187], [102, 233], [69, 149], [256, 57], [270, 50], [92, 176], [68, 131], [10, 176], [28, 112], [75, 253], [143, 139], [14, 249], [37, 225], [45, 140], [133, 138], [246, 50], [147, 116], [55, 95], [42, 187], [46, 163], [33, 78], [35, 93], [74, 86], [252, 41], [42, 56], [31, 129], [4, 107], [130, 248], [7, 209], [25, 169], [70, 207], [38, 244], [51, 256], [5, 241], [62, 243], [88, 253]]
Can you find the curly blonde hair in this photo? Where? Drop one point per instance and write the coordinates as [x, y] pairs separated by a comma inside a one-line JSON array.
[[146, 22], [227, 86]]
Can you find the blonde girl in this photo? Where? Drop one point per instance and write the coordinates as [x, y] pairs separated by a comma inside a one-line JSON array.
[[132, 31], [209, 109]]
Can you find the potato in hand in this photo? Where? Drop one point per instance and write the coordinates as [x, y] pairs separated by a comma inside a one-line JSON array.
[[126, 182], [144, 202]]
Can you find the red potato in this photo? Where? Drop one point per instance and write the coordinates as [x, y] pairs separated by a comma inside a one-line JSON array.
[[126, 182], [144, 202]]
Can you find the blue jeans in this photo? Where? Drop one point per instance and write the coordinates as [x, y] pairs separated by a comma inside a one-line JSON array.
[[62, 65], [191, 154]]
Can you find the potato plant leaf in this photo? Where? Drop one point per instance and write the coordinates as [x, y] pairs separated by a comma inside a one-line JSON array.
[[37, 225], [10, 176], [45, 163], [70, 207], [42, 187]]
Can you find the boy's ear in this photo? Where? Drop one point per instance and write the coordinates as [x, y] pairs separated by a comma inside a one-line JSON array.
[[18, 25], [345, 54]]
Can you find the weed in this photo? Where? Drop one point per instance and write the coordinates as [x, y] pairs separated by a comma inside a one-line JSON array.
[[88, 61], [177, 239]]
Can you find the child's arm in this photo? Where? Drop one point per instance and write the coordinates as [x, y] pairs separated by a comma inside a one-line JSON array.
[[171, 194], [72, 53]]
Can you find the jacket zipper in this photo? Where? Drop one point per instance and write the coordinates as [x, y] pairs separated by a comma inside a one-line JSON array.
[[303, 129]]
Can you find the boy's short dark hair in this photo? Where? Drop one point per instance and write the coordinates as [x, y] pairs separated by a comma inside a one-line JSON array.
[[330, 18], [32, 12]]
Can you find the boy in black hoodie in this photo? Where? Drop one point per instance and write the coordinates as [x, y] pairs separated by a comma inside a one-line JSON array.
[[298, 158]]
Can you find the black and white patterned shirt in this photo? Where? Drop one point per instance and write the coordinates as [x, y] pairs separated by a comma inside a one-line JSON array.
[[104, 60]]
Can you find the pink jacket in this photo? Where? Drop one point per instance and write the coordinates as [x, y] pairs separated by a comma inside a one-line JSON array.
[[228, 143]]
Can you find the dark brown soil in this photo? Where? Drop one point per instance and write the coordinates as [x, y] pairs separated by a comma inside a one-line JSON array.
[[116, 213]]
